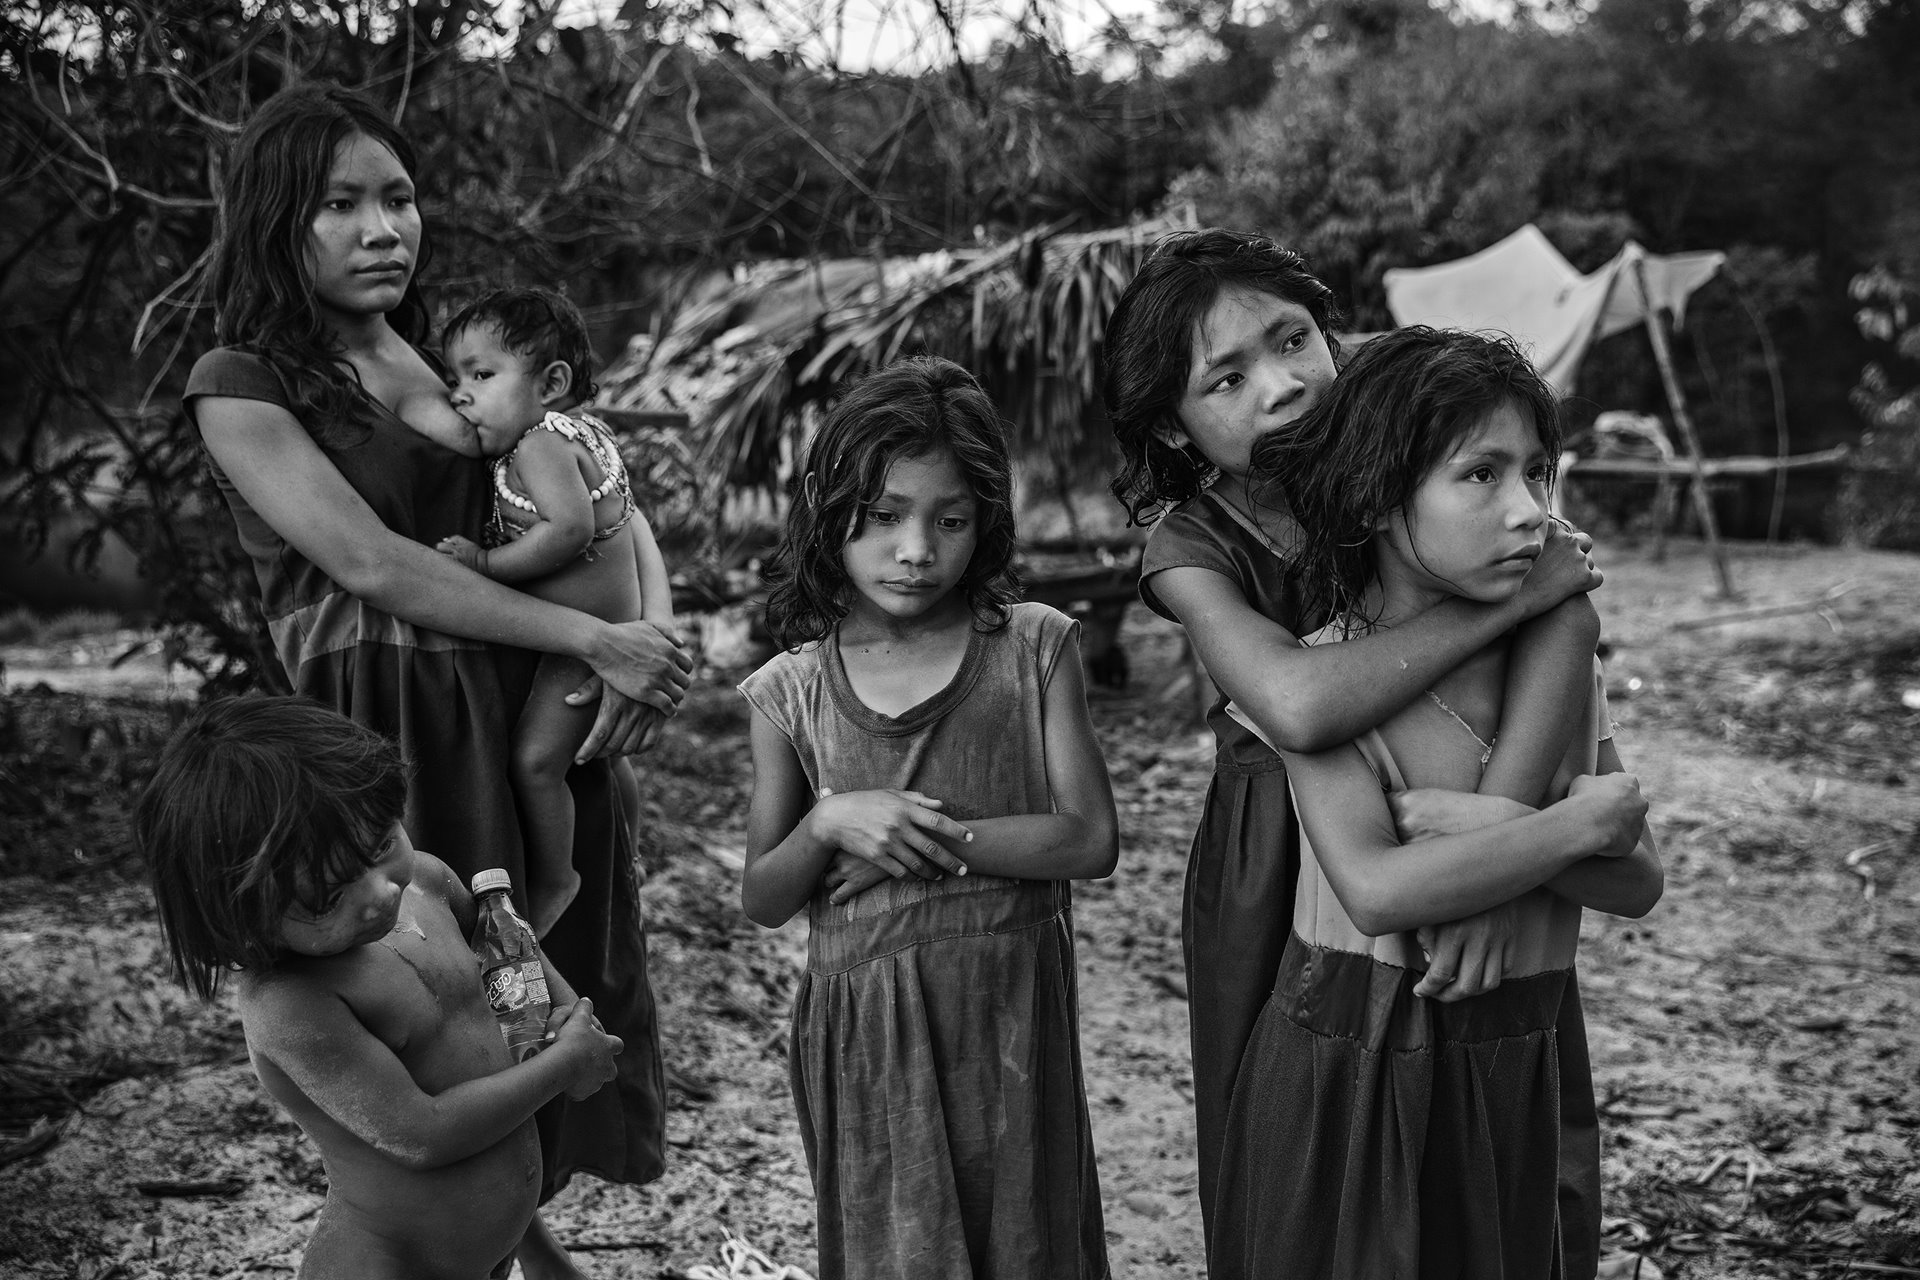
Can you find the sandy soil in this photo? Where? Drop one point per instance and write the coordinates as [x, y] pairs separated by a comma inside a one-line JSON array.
[[1756, 1039]]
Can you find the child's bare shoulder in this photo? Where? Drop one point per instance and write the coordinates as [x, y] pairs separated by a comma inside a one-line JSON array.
[[435, 877], [439, 881], [547, 441], [300, 1000]]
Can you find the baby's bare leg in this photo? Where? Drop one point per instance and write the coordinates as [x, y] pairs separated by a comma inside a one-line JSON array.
[[544, 743]]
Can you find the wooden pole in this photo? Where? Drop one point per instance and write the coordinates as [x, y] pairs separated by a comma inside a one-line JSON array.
[[1663, 482], [1664, 358], [1779, 407]]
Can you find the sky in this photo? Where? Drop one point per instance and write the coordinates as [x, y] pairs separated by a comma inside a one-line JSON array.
[[904, 35]]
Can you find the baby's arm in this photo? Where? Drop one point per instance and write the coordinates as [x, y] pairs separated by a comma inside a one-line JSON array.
[[1388, 887], [1313, 698], [548, 468], [311, 1034], [791, 839], [1080, 839]]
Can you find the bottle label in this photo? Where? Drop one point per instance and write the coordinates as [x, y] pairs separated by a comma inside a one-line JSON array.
[[506, 987], [534, 977], [513, 986]]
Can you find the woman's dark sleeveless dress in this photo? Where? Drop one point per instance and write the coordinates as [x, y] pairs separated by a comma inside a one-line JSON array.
[[451, 703]]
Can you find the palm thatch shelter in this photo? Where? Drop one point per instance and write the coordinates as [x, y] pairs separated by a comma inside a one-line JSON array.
[[754, 356]]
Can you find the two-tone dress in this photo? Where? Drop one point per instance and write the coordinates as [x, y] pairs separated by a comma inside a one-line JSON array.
[[1379, 1135]]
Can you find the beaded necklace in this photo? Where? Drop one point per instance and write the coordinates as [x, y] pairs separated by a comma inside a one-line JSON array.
[[583, 430]]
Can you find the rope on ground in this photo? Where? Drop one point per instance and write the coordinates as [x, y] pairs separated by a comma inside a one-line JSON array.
[[741, 1261]]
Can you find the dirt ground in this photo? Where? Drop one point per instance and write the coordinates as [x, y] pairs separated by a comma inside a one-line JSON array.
[[1756, 1039]]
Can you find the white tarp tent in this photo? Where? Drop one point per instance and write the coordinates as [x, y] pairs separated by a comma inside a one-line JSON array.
[[1522, 286]]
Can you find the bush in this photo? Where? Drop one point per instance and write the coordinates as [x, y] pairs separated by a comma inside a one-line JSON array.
[[1879, 502]]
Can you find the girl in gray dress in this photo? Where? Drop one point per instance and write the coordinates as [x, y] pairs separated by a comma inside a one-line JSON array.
[[926, 783]]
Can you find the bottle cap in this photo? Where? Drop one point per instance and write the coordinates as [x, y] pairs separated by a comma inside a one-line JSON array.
[[490, 879]]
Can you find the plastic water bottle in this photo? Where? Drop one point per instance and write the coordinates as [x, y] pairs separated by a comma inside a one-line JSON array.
[[510, 968]]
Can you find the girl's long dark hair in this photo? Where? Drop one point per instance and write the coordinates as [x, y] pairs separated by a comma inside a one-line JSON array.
[[262, 289], [904, 410], [1399, 408], [1147, 353]]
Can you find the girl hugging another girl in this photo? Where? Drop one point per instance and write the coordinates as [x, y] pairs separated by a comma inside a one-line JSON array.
[[1221, 338], [1373, 1133], [926, 782]]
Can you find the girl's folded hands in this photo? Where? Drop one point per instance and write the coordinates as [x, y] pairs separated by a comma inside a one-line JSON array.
[[894, 830]]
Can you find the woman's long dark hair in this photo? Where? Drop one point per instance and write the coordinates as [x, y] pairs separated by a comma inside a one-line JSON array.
[[1147, 353], [262, 289], [906, 409], [1399, 408]]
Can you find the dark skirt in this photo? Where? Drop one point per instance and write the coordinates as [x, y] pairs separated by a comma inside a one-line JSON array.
[[451, 705], [1241, 873], [1376, 1135]]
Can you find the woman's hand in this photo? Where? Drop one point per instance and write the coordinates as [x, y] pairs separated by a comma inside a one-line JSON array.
[[644, 664], [893, 830], [623, 727], [1565, 568]]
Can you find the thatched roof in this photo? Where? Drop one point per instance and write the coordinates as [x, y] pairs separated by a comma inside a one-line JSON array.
[[750, 357]]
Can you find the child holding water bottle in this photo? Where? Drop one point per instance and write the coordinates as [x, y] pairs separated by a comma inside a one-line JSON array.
[[272, 832]]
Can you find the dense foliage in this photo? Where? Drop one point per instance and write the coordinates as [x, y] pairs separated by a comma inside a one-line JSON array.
[[617, 160], [1880, 502], [1399, 135]]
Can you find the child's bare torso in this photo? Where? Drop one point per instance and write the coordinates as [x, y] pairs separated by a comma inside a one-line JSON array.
[[606, 582], [417, 990], [1439, 743]]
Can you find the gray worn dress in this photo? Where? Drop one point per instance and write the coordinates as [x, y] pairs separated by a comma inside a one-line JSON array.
[[935, 1052]]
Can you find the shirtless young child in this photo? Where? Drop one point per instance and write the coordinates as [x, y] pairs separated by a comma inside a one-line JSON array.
[[271, 831], [565, 528]]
